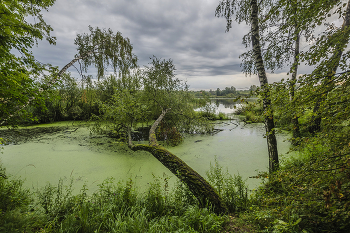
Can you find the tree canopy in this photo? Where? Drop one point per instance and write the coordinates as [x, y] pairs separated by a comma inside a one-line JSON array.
[[18, 67]]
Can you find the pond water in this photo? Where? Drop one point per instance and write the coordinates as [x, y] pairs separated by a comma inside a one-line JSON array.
[[225, 105], [67, 150]]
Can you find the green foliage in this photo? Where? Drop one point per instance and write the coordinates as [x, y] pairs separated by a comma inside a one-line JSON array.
[[311, 191], [12, 195], [208, 111], [18, 74], [140, 97], [113, 208], [253, 112], [20, 34], [232, 190], [14, 202], [56, 201], [65, 101], [103, 48], [169, 134]]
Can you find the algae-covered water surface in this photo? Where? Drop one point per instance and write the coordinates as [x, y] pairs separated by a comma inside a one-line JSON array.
[[67, 150]]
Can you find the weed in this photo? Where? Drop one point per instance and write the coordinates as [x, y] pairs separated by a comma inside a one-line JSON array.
[[232, 190]]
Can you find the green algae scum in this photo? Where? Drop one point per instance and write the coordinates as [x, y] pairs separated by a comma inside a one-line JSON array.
[[68, 151]]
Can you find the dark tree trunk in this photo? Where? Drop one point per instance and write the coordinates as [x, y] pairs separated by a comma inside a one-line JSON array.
[[269, 122], [295, 119], [328, 83], [200, 188]]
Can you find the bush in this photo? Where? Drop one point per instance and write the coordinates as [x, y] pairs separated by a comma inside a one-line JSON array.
[[14, 204], [113, 208], [309, 193], [12, 195], [253, 112], [232, 190]]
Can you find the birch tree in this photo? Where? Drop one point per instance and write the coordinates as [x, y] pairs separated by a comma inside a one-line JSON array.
[[328, 53], [249, 13], [100, 48]]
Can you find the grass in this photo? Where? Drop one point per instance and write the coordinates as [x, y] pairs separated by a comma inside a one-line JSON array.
[[297, 198], [115, 207]]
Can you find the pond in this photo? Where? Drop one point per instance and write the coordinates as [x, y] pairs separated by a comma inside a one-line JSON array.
[[225, 105], [67, 150]]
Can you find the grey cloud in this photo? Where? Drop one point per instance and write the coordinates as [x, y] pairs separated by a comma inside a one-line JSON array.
[[185, 31]]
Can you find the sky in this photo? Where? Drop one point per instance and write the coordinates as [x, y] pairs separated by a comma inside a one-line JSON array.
[[186, 31]]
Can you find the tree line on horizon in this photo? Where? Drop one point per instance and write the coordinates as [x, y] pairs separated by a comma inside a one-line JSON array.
[[228, 92]]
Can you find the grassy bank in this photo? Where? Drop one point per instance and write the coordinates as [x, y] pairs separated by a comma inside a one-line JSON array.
[[310, 193], [117, 207]]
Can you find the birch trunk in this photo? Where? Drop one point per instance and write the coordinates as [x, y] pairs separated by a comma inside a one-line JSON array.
[[269, 122], [295, 121]]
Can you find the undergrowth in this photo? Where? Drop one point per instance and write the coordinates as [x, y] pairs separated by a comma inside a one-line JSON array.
[[117, 207], [309, 193]]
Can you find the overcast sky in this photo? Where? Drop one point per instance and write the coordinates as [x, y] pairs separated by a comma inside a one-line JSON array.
[[185, 31]]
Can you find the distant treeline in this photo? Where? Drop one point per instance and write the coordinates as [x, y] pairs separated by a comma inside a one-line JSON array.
[[228, 92]]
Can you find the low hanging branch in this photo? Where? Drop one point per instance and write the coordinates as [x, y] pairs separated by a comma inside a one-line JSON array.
[[200, 188]]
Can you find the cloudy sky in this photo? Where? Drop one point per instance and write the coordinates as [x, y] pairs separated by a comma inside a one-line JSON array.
[[185, 31]]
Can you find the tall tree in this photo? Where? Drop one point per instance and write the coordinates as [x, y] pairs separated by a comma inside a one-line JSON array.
[[269, 122], [250, 9], [19, 73], [282, 24]]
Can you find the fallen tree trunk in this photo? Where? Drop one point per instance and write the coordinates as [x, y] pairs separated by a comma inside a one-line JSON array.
[[200, 188]]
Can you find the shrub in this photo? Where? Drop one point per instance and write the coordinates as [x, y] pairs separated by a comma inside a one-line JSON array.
[[12, 195], [233, 190]]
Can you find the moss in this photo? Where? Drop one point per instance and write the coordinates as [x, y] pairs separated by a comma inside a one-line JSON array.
[[200, 188], [203, 191]]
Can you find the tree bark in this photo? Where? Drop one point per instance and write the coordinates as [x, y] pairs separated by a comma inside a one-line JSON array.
[[328, 82], [269, 122], [295, 119], [200, 188]]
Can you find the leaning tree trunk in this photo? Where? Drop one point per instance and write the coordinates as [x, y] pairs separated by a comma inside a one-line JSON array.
[[328, 83], [200, 188], [295, 121], [259, 64]]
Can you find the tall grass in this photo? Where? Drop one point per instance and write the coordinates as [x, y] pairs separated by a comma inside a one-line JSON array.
[[232, 189], [115, 207]]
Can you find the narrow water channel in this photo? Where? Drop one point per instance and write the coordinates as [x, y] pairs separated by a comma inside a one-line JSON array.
[[71, 152]]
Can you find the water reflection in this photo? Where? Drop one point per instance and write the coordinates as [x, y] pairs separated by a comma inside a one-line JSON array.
[[227, 106]]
